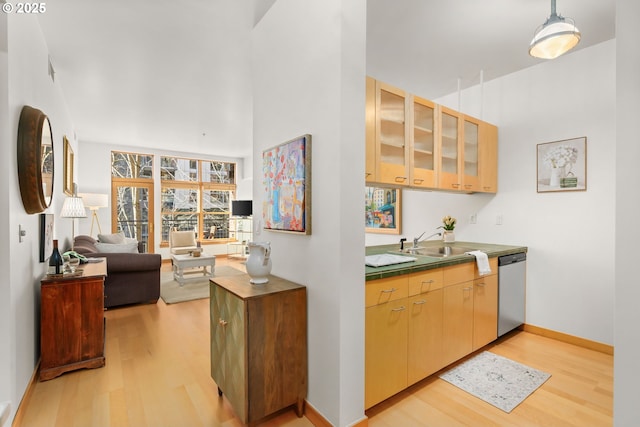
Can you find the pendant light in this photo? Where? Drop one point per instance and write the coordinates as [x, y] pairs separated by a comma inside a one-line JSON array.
[[555, 37]]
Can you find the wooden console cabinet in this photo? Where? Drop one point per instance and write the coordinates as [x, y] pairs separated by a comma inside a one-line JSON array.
[[259, 345], [72, 321]]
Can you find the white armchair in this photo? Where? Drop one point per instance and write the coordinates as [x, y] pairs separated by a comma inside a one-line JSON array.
[[182, 242]]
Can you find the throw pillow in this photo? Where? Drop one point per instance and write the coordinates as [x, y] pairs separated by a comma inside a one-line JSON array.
[[129, 248], [116, 238]]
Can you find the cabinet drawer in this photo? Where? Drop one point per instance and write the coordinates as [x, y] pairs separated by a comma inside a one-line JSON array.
[[425, 281], [384, 290], [459, 273]]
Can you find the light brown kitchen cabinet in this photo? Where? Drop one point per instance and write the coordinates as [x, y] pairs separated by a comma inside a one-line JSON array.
[[424, 345], [450, 147], [370, 170], [386, 332], [418, 323], [485, 310], [259, 345], [422, 143], [413, 142], [470, 154], [488, 158], [391, 135], [457, 323]]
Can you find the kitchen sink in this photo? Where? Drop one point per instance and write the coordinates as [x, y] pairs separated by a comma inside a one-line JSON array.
[[437, 251]]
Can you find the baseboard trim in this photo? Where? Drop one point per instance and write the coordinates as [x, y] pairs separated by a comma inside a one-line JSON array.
[[17, 420], [318, 420], [571, 339]]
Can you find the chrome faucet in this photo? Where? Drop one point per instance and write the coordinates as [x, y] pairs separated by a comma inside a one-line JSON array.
[[419, 238]]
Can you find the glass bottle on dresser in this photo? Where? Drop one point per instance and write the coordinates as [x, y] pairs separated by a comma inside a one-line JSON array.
[[55, 260]]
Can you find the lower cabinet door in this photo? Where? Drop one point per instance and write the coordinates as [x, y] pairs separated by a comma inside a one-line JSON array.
[[425, 335], [228, 348], [457, 321], [385, 350], [485, 311]]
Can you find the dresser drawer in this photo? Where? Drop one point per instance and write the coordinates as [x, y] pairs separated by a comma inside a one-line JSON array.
[[425, 281], [384, 290]]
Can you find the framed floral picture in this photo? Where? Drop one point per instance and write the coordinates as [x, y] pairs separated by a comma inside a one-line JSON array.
[[382, 210], [562, 165]]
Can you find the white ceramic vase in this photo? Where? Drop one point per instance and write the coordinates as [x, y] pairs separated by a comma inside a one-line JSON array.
[[259, 262], [556, 175], [448, 236]]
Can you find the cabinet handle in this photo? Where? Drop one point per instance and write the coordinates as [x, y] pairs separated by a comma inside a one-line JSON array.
[[401, 308], [388, 291], [401, 178], [420, 302], [455, 185], [222, 322], [468, 186], [367, 174], [468, 289], [418, 181], [427, 282], [481, 284]]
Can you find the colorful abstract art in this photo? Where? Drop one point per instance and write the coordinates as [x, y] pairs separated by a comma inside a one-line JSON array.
[[286, 176]]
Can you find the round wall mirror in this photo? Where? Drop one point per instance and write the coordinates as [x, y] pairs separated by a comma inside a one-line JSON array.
[[35, 160]]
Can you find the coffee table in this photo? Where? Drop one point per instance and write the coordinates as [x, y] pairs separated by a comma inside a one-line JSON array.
[[182, 262]]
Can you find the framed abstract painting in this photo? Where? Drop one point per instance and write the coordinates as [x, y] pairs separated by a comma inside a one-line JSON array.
[[286, 176]]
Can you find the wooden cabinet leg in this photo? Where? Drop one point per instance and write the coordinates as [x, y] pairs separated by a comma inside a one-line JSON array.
[[300, 407]]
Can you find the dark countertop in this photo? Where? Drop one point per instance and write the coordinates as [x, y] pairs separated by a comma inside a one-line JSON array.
[[427, 263]]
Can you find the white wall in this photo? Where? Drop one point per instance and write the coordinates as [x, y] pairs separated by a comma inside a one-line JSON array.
[[627, 319], [28, 84], [94, 176], [570, 235], [308, 77]]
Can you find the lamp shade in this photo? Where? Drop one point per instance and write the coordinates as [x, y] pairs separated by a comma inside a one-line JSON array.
[[555, 37], [94, 200], [73, 208]]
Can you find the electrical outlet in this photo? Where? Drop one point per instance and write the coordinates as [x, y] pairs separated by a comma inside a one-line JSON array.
[[499, 219], [5, 409], [473, 218]]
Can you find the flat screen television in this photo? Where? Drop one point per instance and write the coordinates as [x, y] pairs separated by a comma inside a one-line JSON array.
[[241, 207]]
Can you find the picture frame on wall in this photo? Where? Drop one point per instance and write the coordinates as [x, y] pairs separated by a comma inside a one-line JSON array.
[[383, 210], [286, 177], [562, 165], [68, 167], [46, 236]]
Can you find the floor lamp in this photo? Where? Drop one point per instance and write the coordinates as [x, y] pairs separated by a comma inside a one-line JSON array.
[[73, 208], [95, 201]]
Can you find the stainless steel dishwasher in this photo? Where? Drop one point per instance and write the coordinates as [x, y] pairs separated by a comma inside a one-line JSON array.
[[511, 291]]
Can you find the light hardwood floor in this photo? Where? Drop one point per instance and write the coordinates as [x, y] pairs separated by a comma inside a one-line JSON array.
[[157, 374]]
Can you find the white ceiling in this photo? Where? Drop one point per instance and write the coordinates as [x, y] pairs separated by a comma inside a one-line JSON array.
[[176, 75]]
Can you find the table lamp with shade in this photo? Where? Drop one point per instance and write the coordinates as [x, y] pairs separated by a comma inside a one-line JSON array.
[[73, 208], [95, 201]]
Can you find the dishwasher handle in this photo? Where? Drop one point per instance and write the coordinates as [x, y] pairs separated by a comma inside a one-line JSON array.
[[512, 259]]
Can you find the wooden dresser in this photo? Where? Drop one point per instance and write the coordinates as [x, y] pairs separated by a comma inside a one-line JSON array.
[[259, 345], [72, 321]]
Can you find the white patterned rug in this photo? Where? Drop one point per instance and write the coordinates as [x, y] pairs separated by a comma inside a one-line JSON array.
[[496, 379]]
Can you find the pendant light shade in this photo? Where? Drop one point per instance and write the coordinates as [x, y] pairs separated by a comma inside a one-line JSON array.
[[555, 37]]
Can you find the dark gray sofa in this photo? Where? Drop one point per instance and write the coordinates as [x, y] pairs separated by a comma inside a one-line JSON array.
[[132, 278]]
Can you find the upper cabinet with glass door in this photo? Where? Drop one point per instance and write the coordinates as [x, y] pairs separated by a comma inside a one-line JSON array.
[[450, 149], [423, 146], [413, 142], [470, 154], [391, 135]]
